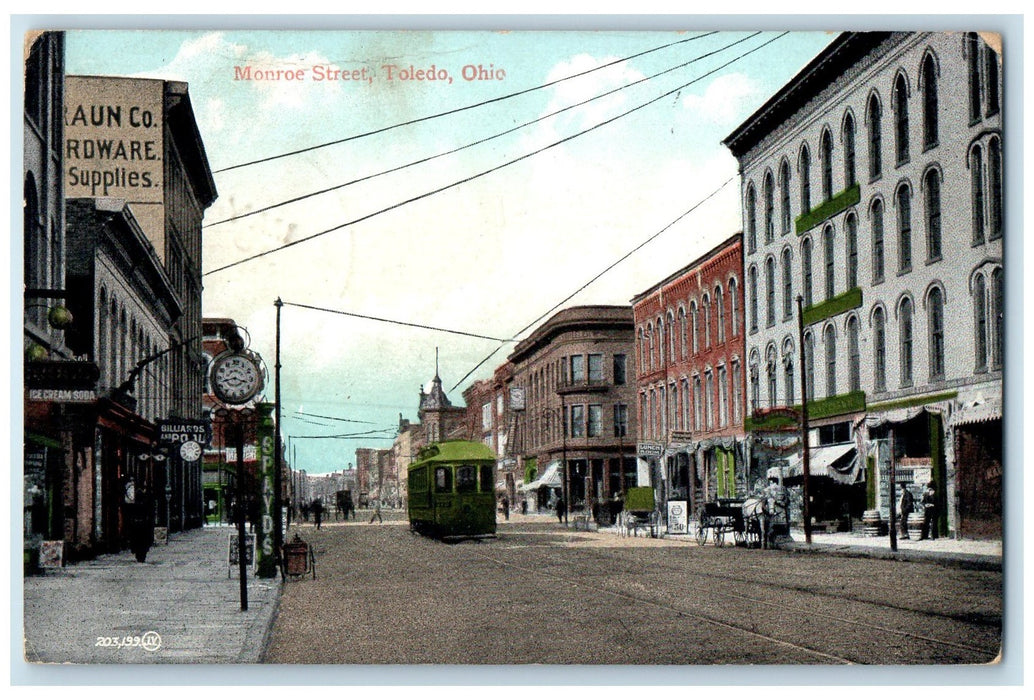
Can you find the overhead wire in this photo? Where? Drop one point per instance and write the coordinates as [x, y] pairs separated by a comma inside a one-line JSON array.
[[461, 109], [500, 134], [506, 164], [397, 323]]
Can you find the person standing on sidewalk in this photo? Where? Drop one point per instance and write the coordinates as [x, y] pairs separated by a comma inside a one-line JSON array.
[[142, 520], [929, 512], [317, 513], [506, 507], [376, 512], [906, 505], [561, 508]]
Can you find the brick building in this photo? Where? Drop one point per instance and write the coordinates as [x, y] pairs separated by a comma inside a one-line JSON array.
[[689, 360]]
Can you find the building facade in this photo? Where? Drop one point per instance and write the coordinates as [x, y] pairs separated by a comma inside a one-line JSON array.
[[577, 429], [872, 189], [689, 352]]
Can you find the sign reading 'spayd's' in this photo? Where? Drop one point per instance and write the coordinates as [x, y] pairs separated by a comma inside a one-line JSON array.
[[114, 144]]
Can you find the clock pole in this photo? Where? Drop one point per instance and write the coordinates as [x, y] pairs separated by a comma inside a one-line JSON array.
[[277, 507]]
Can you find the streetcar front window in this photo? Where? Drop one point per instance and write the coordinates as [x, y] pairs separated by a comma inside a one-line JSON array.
[[466, 478], [443, 479], [486, 478]]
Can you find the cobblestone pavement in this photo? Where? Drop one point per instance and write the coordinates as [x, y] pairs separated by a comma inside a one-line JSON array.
[[81, 613]]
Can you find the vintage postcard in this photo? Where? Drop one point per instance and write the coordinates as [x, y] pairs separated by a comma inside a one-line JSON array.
[[559, 351]]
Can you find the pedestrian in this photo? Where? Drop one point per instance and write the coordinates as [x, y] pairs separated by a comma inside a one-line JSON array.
[[317, 513], [561, 508], [524, 506], [929, 512], [376, 512], [142, 523], [906, 505], [506, 507]]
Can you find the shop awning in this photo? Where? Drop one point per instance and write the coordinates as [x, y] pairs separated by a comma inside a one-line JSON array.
[[550, 477], [838, 462], [978, 411]]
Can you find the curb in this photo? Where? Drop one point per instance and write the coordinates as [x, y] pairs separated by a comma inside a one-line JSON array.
[[267, 635], [976, 562]]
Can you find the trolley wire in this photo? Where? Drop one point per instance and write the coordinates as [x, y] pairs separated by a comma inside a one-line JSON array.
[[461, 109], [397, 323], [482, 173], [500, 134]]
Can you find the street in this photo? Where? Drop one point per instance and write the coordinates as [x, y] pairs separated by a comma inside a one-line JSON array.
[[540, 594]]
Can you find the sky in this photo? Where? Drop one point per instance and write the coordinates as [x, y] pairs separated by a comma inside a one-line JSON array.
[[445, 243]]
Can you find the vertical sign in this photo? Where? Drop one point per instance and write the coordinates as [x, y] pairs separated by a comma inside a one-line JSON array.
[[264, 527]]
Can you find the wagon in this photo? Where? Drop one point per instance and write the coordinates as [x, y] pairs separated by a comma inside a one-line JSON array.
[[740, 517]]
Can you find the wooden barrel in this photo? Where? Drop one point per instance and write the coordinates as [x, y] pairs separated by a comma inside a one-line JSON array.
[[915, 525], [872, 524]]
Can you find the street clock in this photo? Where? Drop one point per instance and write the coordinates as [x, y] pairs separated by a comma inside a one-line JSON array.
[[190, 451], [236, 377]]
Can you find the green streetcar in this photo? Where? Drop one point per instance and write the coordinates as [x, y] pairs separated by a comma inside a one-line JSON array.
[[452, 490]]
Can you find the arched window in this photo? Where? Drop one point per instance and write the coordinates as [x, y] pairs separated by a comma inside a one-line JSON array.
[[101, 354], [719, 312], [905, 341], [770, 376], [683, 336], [976, 178], [769, 195], [788, 375], [991, 75], [705, 306], [694, 325], [929, 102], [784, 196], [829, 243], [973, 71], [755, 381], [649, 348], [935, 323], [658, 343], [671, 337], [901, 120], [709, 388], [980, 322], [752, 290], [752, 223], [806, 270], [854, 357], [734, 318], [994, 176], [829, 340], [879, 348], [736, 395], [698, 422], [877, 242], [787, 285], [850, 178], [998, 317], [809, 365], [826, 160], [770, 281], [851, 233], [932, 190], [875, 138], [804, 166], [904, 205]]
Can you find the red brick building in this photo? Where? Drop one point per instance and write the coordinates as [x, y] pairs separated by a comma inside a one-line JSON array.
[[691, 392]]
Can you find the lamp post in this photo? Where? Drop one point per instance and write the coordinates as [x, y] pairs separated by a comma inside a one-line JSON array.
[[238, 419]]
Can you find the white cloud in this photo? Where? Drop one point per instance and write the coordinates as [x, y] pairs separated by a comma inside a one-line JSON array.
[[725, 99]]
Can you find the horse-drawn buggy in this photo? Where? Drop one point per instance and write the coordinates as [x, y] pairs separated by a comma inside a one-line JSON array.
[[730, 516]]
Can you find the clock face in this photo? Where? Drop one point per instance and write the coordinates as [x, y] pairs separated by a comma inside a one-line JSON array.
[[190, 451], [235, 378]]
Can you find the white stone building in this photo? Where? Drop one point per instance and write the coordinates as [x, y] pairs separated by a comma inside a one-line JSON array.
[[872, 187]]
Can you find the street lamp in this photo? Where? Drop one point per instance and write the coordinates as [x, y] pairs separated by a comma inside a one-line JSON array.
[[239, 419]]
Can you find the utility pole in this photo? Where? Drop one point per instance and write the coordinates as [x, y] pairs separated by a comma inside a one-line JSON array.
[[805, 451], [277, 460]]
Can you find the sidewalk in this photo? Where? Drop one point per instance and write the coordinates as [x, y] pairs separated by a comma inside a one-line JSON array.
[[80, 613], [972, 554]]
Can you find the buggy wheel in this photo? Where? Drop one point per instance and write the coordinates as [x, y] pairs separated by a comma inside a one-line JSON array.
[[701, 531], [719, 536]]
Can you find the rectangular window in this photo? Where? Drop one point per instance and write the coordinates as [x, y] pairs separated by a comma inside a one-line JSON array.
[[486, 416], [620, 370], [577, 421], [595, 369], [487, 480], [595, 426], [620, 420], [577, 369]]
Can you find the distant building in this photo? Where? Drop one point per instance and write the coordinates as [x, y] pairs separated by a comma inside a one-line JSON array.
[[872, 187]]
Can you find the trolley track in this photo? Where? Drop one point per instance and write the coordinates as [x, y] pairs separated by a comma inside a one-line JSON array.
[[587, 580]]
